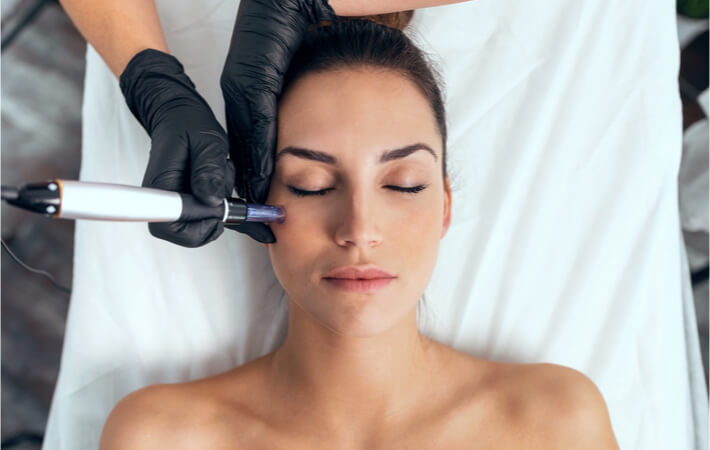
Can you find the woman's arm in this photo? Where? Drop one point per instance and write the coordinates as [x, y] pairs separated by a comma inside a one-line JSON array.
[[118, 29], [370, 7]]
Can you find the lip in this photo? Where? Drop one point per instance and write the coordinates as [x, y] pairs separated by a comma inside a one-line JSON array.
[[364, 279]]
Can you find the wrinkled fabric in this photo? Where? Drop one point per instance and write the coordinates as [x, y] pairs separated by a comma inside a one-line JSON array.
[[565, 245]]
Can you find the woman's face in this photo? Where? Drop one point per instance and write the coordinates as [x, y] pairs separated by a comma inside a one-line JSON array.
[[357, 192]]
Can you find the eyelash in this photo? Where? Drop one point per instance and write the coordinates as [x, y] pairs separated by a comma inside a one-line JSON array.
[[405, 190]]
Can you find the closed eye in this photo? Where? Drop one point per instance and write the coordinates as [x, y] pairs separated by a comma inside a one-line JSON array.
[[408, 190], [304, 193]]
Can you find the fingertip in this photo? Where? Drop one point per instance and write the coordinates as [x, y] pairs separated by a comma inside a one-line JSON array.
[[209, 192], [212, 200], [266, 238]]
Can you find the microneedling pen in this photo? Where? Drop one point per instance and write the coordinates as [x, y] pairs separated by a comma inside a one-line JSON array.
[[68, 199]]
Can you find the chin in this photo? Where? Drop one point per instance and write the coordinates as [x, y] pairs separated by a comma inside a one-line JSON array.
[[359, 317]]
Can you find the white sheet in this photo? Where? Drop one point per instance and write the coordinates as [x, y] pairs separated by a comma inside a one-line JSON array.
[[565, 142]]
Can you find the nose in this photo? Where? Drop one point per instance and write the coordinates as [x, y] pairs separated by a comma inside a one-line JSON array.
[[357, 223]]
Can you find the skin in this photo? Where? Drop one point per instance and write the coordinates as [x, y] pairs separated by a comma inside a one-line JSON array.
[[368, 345], [354, 371]]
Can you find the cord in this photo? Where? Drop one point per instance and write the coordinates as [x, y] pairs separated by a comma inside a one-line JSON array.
[[27, 437], [9, 193], [33, 270]]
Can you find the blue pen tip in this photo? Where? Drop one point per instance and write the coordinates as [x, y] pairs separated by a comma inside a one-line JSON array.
[[265, 213]]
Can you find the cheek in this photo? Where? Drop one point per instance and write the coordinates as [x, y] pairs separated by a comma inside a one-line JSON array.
[[298, 240], [416, 235], [303, 224]]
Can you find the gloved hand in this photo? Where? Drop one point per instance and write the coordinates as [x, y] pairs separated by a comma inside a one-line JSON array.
[[189, 148], [266, 35]]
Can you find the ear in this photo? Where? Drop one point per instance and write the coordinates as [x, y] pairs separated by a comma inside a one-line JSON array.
[[447, 207]]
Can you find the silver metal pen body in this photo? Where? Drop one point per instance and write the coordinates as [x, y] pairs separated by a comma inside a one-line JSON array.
[[68, 199]]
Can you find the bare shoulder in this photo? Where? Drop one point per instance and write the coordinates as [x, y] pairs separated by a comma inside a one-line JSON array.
[[209, 413], [560, 407], [139, 420], [160, 416]]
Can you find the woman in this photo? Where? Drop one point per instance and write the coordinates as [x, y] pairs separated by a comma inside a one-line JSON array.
[[360, 168]]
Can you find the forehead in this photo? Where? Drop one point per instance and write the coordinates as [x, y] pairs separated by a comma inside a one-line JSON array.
[[356, 110]]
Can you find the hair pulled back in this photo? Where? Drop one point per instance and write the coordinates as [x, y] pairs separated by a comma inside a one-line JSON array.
[[351, 43]]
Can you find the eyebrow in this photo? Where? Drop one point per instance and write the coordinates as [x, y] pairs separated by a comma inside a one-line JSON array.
[[387, 155]]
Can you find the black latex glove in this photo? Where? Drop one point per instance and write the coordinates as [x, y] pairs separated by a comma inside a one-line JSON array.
[[189, 148], [266, 35]]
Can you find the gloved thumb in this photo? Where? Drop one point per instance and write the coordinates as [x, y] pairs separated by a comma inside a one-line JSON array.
[[255, 230]]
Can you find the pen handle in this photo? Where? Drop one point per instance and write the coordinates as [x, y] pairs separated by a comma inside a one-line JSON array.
[[69, 199], [117, 202]]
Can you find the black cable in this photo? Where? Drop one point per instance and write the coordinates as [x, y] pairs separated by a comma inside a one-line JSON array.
[[37, 271], [23, 437], [9, 193]]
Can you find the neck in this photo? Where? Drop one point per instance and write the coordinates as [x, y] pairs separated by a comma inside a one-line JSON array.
[[345, 379]]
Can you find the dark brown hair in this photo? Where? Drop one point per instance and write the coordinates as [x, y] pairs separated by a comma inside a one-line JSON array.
[[349, 42]]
